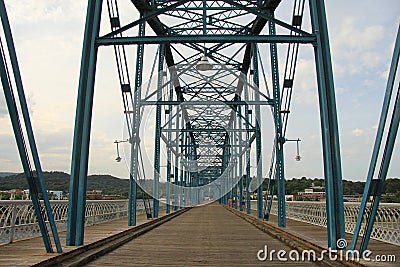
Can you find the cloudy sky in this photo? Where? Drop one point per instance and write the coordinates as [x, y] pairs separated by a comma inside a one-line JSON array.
[[48, 36]]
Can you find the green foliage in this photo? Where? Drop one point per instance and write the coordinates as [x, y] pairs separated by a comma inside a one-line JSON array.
[[114, 186], [299, 185], [391, 197], [296, 185], [353, 188], [392, 186], [60, 181], [5, 195]]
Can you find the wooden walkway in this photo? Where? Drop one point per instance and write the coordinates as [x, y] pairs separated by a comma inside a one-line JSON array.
[[203, 236], [31, 251], [318, 235]]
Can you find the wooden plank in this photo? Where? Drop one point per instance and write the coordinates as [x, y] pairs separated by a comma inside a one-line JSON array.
[[208, 236], [318, 235], [31, 251]]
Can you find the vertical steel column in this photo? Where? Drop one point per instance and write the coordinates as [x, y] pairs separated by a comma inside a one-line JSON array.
[[248, 147], [329, 125], [387, 155], [83, 118], [29, 131], [256, 84], [184, 172], [169, 155], [157, 136], [181, 178], [240, 160], [280, 175], [375, 153], [236, 150], [235, 176], [226, 168], [134, 164], [132, 201], [176, 174]]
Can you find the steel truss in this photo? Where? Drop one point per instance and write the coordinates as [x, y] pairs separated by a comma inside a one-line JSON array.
[[375, 187], [23, 132], [208, 121]]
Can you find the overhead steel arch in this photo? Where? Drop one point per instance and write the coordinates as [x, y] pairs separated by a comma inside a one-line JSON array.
[[207, 102]]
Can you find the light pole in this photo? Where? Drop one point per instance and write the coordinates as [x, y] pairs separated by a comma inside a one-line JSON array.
[[298, 157], [118, 158]]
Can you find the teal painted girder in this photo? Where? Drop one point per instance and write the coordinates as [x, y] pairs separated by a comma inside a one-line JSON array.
[[226, 97], [206, 39], [83, 119], [329, 126], [23, 132], [374, 187]]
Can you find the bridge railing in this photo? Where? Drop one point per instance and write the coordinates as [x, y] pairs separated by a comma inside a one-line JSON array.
[[18, 220], [386, 227]]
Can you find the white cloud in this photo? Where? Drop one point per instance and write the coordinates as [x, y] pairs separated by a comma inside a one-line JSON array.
[[369, 83], [26, 11], [357, 132], [371, 59], [356, 36], [356, 46], [48, 36], [305, 90]]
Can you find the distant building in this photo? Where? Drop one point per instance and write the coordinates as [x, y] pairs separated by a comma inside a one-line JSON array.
[[94, 194], [287, 197], [19, 194], [56, 195], [352, 198], [315, 193]]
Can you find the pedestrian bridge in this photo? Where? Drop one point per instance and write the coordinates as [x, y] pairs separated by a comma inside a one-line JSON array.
[[214, 101], [209, 235]]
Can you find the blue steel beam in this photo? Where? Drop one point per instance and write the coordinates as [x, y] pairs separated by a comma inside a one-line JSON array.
[[267, 16], [239, 122], [144, 19], [209, 103], [157, 136], [134, 164], [29, 131], [247, 155], [208, 130], [279, 138], [256, 83], [329, 125], [375, 153], [80, 150], [169, 155], [250, 33], [216, 38], [176, 174]]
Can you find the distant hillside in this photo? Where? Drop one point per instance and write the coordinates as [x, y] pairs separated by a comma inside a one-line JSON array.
[[60, 181], [111, 185]]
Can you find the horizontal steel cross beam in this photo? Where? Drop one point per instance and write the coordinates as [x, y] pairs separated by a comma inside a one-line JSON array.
[[217, 38], [208, 130], [208, 103]]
